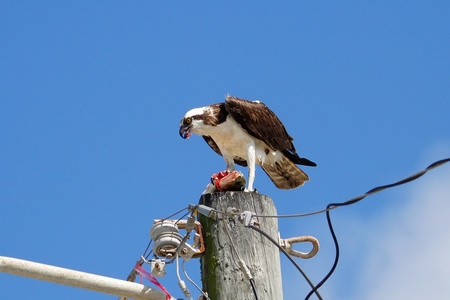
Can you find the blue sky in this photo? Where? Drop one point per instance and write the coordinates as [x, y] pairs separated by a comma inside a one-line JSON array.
[[91, 98]]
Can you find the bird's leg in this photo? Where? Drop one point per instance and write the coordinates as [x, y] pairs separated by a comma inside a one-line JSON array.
[[251, 154], [230, 163]]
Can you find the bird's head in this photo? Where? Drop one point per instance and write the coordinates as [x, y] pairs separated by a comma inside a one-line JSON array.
[[193, 122]]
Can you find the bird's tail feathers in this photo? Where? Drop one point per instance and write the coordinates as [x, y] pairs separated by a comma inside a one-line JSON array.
[[285, 174], [293, 156]]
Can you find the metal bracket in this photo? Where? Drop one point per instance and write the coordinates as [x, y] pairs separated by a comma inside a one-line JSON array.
[[158, 267], [187, 252]]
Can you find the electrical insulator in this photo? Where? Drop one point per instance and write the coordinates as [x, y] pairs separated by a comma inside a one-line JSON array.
[[166, 237]]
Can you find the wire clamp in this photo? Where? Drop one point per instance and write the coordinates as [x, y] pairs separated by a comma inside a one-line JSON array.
[[248, 218], [202, 209], [231, 211], [190, 224]]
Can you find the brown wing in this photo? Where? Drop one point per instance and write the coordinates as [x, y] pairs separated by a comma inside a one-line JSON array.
[[260, 122]]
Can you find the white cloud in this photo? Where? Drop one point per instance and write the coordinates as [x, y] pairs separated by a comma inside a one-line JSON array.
[[394, 245], [408, 250]]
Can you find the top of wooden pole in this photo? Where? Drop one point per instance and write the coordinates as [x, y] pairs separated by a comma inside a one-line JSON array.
[[222, 277]]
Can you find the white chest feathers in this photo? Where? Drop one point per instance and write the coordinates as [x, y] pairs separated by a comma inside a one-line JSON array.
[[234, 141]]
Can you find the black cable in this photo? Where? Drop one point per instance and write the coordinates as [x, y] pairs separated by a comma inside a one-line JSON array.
[[357, 199], [383, 187], [252, 282], [336, 244], [289, 257], [146, 249], [182, 217], [148, 255], [174, 214]]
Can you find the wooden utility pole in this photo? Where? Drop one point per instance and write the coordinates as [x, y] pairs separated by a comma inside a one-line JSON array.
[[222, 275]]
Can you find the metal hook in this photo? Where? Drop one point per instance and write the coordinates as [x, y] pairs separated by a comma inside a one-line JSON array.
[[287, 245]]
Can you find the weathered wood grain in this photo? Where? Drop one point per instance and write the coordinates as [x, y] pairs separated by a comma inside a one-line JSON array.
[[221, 276]]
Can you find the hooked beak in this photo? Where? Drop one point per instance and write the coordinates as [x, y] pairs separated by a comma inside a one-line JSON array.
[[184, 131]]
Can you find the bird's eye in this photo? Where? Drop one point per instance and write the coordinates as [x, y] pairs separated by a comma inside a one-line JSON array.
[[188, 121]]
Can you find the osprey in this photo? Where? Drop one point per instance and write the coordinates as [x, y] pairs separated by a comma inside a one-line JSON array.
[[248, 133]]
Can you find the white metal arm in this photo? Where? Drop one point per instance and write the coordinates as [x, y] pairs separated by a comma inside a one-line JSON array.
[[79, 279]]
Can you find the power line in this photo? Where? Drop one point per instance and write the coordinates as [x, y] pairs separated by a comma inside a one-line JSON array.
[[357, 199]]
